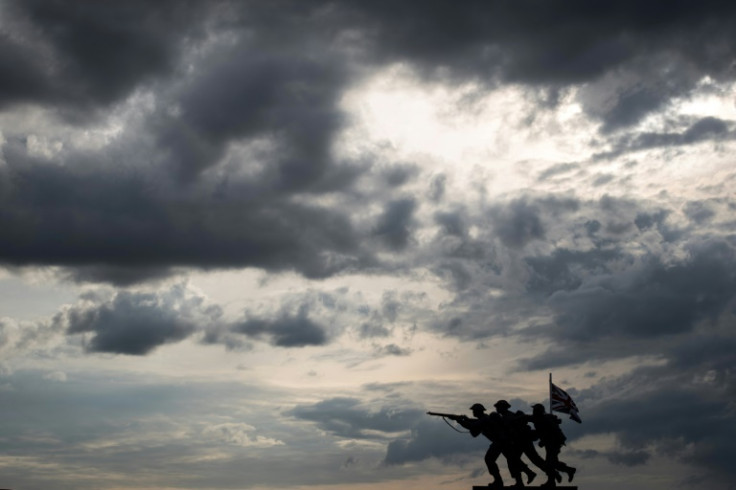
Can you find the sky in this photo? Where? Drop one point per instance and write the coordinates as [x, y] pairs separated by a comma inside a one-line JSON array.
[[248, 244]]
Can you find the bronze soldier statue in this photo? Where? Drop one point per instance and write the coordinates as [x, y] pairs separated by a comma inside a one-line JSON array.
[[493, 427], [551, 438], [523, 437]]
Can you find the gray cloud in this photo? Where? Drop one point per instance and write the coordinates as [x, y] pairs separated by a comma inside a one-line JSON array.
[[699, 211], [452, 223], [553, 45], [564, 269], [622, 458], [345, 417], [259, 87], [136, 323], [106, 221], [703, 129], [547, 45], [395, 224], [659, 299], [679, 413], [285, 331], [557, 170], [78, 56], [392, 350], [104, 423], [519, 223], [432, 439], [633, 458], [290, 99], [252, 92]]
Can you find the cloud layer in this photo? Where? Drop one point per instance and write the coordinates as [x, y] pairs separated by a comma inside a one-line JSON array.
[[557, 196]]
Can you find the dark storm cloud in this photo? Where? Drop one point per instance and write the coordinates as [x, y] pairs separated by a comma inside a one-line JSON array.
[[290, 98], [345, 417], [680, 410], [564, 269], [127, 221], [82, 54], [394, 225], [598, 296], [136, 323], [458, 255], [399, 174], [451, 223], [105, 51], [559, 44], [521, 220], [285, 331], [637, 310], [116, 275], [311, 317], [275, 79], [519, 223], [106, 221], [657, 299]]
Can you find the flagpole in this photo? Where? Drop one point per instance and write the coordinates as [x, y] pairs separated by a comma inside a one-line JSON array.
[[550, 392]]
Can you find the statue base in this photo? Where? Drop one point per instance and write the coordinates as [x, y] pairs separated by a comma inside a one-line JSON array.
[[511, 487]]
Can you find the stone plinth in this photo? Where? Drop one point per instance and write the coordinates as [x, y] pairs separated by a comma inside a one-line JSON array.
[[486, 487]]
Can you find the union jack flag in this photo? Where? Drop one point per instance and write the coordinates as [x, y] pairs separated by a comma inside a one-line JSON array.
[[560, 401]]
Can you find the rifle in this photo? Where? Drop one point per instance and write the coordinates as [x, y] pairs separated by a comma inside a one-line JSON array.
[[460, 419], [450, 416]]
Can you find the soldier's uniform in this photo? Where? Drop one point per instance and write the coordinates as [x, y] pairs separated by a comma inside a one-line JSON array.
[[551, 438], [493, 427]]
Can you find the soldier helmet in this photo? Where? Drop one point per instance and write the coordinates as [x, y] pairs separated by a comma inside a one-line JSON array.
[[502, 404], [538, 408], [478, 406]]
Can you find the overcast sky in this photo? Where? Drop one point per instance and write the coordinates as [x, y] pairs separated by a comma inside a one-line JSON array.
[[249, 244]]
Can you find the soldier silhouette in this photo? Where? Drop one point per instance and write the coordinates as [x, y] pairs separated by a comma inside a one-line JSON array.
[[493, 427], [523, 437], [551, 438]]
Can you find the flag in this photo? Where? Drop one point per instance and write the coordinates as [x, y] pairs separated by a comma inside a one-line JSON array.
[[560, 401]]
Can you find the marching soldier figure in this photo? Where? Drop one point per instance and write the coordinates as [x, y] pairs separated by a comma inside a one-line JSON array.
[[523, 437], [493, 427], [551, 439]]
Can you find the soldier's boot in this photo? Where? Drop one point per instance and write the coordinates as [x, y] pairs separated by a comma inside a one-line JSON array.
[[496, 474], [497, 482], [566, 469]]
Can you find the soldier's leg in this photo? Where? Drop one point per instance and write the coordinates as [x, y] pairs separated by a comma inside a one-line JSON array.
[[491, 456], [531, 452], [551, 459], [560, 466], [513, 459]]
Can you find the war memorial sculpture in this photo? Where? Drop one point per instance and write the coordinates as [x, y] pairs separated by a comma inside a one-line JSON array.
[[511, 435]]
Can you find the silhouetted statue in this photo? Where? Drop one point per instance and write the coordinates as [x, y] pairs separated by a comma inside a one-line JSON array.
[[523, 437], [510, 435], [551, 438], [493, 427]]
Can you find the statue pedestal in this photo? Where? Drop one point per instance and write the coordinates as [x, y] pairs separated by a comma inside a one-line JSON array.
[[486, 487]]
